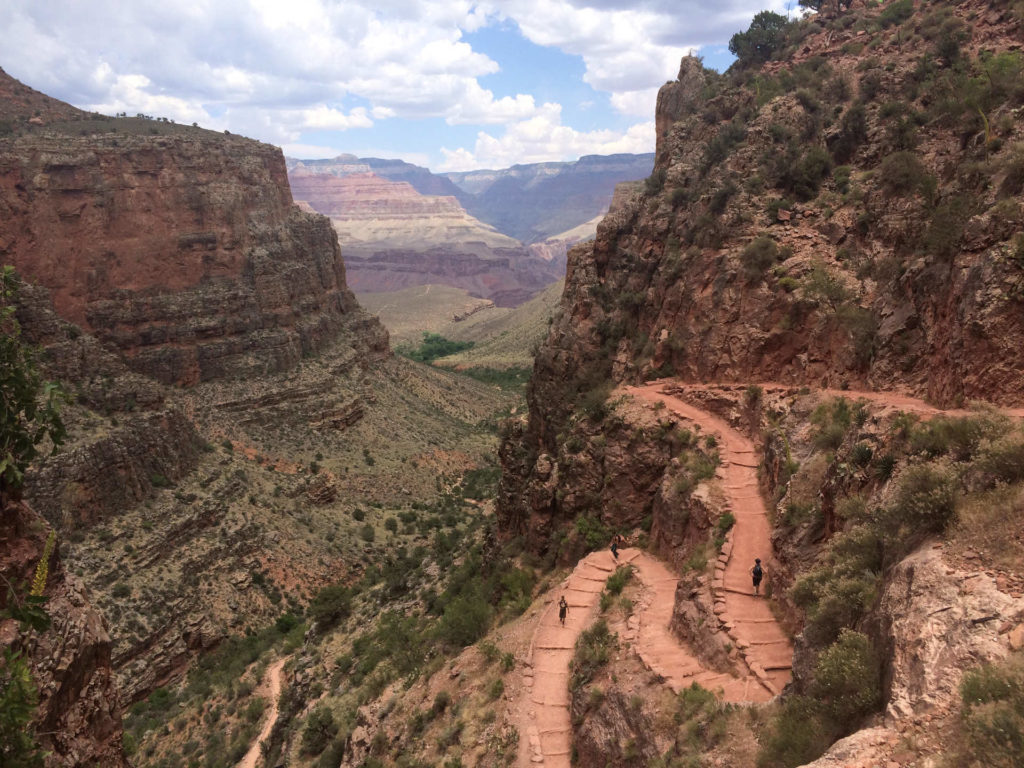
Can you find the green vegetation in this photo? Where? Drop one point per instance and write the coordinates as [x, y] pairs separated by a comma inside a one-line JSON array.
[[593, 649], [765, 36], [433, 346], [992, 719], [618, 580], [31, 407]]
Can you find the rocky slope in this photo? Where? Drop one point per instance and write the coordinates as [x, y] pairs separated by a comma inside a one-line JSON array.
[[394, 237], [78, 720], [843, 215], [537, 201]]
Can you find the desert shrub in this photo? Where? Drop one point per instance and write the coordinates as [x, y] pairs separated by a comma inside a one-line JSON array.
[[902, 173], [331, 605], [618, 580], [801, 174], [846, 680], [925, 503], [319, 731], [593, 649], [367, 533], [957, 436], [831, 421], [719, 148], [465, 620], [797, 736], [870, 85], [592, 531], [1013, 182], [823, 287], [945, 230], [862, 325], [993, 712], [654, 183], [758, 257], [833, 601], [441, 702], [853, 131], [720, 199], [495, 689], [1002, 460], [896, 13], [593, 402]]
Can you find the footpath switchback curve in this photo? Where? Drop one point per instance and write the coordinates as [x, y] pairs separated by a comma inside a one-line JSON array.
[[749, 620]]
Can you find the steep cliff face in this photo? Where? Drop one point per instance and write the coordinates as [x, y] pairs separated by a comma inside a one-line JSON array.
[[805, 225], [182, 249], [78, 720], [394, 237]]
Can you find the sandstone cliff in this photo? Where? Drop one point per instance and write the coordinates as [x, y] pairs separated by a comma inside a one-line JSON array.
[[182, 249], [394, 237]]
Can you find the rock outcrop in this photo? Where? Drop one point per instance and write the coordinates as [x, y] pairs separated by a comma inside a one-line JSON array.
[[394, 237], [182, 250], [78, 720]]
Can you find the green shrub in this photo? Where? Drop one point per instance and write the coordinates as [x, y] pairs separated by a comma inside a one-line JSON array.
[[331, 605], [846, 680], [465, 620], [654, 183], [993, 712], [594, 533], [896, 13], [758, 257], [1002, 460], [618, 580], [496, 688], [441, 702], [593, 649], [319, 731], [367, 533], [925, 503], [957, 436], [902, 173], [797, 736], [719, 148], [831, 421]]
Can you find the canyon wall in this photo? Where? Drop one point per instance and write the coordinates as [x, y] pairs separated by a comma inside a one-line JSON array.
[[394, 237], [791, 232]]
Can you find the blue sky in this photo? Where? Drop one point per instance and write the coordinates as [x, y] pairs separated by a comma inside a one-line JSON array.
[[450, 84]]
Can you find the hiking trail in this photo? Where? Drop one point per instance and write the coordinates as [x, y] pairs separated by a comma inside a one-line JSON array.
[[272, 682]]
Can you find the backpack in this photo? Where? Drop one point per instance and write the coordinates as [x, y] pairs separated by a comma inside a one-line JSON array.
[[758, 573]]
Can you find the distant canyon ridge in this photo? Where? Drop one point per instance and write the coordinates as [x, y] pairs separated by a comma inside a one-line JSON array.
[[500, 235]]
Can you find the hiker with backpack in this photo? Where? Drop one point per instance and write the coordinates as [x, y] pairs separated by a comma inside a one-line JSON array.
[[563, 608], [758, 573]]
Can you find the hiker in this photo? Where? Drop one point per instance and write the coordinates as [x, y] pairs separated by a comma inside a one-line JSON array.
[[758, 573], [563, 608], [615, 547]]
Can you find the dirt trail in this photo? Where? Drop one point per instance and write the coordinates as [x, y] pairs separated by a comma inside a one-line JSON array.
[[272, 685], [748, 619], [545, 733]]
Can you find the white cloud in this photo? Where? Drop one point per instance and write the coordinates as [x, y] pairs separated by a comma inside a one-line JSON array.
[[276, 70], [543, 138]]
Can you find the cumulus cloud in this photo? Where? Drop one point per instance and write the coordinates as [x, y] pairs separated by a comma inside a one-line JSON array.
[[543, 138], [275, 70]]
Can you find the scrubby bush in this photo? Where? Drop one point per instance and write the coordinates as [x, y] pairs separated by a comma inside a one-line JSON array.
[[618, 580], [759, 256], [993, 712], [902, 173], [593, 649], [846, 680], [797, 736], [320, 729], [331, 605], [925, 503]]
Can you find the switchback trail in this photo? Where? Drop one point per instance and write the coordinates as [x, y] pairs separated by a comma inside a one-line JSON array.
[[748, 619], [273, 681]]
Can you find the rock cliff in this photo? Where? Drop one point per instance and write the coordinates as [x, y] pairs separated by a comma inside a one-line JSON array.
[[182, 249], [79, 719], [394, 237]]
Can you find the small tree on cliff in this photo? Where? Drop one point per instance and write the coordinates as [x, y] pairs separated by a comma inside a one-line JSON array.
[[29, 407], [765, 36]]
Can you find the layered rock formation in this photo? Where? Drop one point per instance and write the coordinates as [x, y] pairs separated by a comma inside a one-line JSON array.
[[394, 237], [79, 717], [183, 251]]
